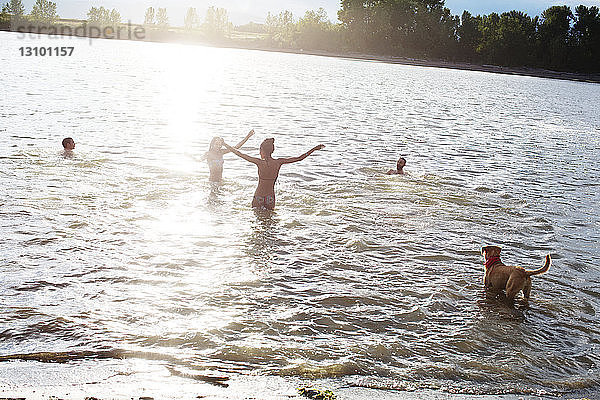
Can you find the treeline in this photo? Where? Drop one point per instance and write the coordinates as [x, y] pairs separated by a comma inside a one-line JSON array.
[[216, 23], [560, 38], [43, 11], [313, 31], [44, 19]]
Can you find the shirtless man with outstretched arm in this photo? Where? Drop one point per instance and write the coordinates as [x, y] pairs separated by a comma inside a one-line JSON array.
[[268, 171]]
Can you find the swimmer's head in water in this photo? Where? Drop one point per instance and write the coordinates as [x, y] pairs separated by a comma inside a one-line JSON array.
[[267, 147], [68, 143], [401, 163], [215, 144]]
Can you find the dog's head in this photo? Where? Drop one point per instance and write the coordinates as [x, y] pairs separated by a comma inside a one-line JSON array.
[[490, 251]]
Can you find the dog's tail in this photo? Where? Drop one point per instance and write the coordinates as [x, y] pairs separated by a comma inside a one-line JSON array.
[[543, 269]]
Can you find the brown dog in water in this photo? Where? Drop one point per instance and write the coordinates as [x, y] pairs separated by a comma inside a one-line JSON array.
[[502, 277]]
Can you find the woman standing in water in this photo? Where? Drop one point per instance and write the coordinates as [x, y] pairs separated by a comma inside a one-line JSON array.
[[214, 156], [268, 171]]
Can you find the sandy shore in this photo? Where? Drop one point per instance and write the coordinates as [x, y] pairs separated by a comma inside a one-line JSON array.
[[261, 389], [137, 379]]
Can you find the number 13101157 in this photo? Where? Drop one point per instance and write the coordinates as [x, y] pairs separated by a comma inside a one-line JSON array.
[[46, 51]]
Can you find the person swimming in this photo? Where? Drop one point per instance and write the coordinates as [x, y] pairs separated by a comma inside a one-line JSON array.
[[68, 145], [214, 156], [399, 167], [268, 171]]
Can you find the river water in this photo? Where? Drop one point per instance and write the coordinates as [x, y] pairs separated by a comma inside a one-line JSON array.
[[125, 266]]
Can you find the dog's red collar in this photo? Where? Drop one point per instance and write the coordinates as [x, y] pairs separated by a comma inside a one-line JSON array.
[[491, 261]]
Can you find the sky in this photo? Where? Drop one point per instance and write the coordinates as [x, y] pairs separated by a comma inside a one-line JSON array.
[[243, 11]]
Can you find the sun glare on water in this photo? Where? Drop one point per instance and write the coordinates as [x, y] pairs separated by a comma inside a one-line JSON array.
[[192, 75]]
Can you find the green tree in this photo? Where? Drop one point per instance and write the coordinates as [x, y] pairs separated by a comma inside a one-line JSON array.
[[4, 19], [393, 26], [99, 17], [282, 29], [469, 36], [191, 20], [216, 23], [14, 8], [402, 27], [357, 17], [115, 17], [315, 31], [435, 30], [44, 11], [149, 16], [555, 36], [490, 38], [586, 34], [162, 19], [516, 39]]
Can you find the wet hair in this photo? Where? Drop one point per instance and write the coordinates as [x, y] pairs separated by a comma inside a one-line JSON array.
[[401, 159], [66, 140], [267, 147], [213, 144]]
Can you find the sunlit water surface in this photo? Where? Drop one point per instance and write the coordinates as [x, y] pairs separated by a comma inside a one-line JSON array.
[[126, 252]]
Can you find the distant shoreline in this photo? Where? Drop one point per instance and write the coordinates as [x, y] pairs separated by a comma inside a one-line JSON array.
[[181, 37], [532, 72]]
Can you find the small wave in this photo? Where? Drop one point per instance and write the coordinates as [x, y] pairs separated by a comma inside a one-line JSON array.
[[334, 370], [452, 387], [63, 357], [39, 285], [39, 241], [212, 379]]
